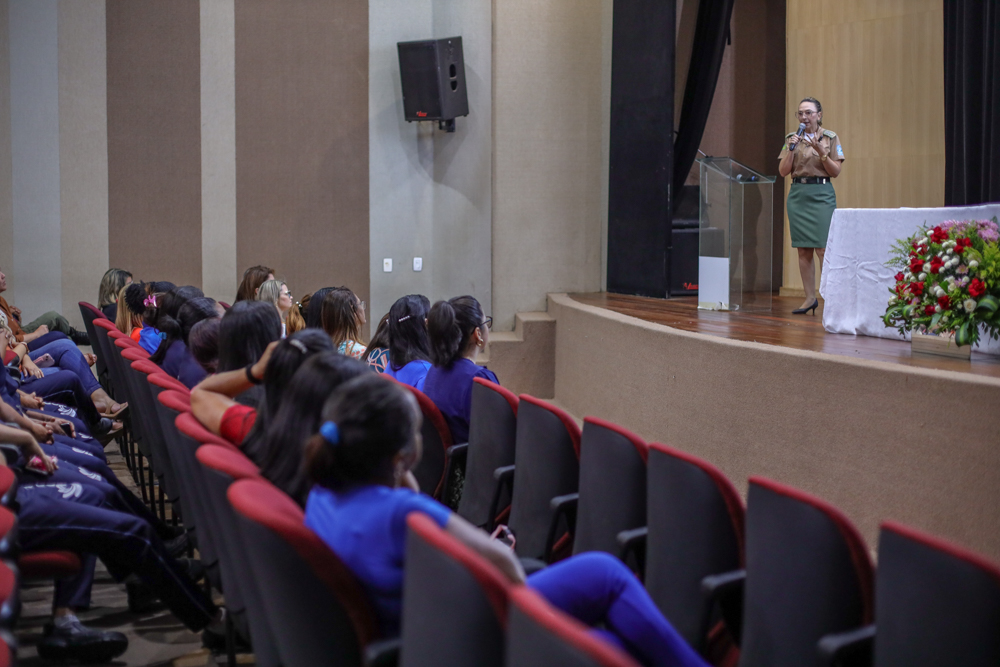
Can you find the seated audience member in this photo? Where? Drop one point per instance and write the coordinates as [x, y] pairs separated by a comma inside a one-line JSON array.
[[294, 320], [377, 353], [253, 278], [61, 384], [360, 463], [46, 323], [149, 336], [409, 346], [203, 342], [244, 333], [343, 315], [458, 332], [111, 285], [173, 356], [128, 319], [276, 292], [313, 313]]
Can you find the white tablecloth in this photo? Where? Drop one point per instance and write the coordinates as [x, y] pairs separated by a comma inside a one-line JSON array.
[[855, 283]]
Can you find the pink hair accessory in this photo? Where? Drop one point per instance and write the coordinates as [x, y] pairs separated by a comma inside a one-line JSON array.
[[150, 301]]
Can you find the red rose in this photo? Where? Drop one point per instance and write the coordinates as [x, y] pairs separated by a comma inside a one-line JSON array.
[[916, 289], [936, 264], [916, 265], [944, 302], [977, 288], [962, 244], [929, 310], [899, 277], [939, 235]]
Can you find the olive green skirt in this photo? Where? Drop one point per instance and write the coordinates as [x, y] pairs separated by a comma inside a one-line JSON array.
[[810, 208]]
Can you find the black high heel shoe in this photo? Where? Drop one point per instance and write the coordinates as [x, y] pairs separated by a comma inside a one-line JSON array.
[[803, 311]]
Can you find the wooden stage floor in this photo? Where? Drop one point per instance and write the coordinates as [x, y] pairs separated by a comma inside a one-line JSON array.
[[780, 327]]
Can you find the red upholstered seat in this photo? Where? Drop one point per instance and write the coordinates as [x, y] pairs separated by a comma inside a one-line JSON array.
[[164, 381], [5, 658], [8, 480], [98, 315], [144, 365], [8, 526], [191, 427], [48, 564], [175, 399], [8, 583], [539, 635], [131, 350], [105, 324], [227, 460], [430, 472], [325, 617]]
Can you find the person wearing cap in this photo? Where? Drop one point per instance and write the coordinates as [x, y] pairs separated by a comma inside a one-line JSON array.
[[813, 157]]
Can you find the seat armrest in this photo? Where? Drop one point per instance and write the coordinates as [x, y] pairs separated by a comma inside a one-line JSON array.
[[504, 478], [383, 653], [726, 590], [853, 648], [454, 459], [562, 507], [633, 543]]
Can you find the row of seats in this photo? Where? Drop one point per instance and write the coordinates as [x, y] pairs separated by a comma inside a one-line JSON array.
[[781, 581]]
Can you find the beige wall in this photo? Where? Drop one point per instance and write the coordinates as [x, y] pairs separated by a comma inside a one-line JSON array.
[[6, 213], [878, 69], [550, 110], [859, 434]]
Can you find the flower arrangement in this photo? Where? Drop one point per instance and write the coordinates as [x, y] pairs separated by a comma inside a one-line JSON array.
[[948, 281]]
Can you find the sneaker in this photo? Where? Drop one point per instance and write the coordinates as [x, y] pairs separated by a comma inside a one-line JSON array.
[[79, 337], [178, 546], [75, 641]]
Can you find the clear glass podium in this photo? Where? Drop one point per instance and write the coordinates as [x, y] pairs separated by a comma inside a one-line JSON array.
[[734, 239]]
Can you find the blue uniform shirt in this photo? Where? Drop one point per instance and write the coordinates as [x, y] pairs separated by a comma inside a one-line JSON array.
[[451, 390], [366, 528], [413, 373], [179, 363], [150, 339]]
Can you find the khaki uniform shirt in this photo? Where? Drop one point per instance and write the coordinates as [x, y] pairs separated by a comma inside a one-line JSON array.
[[806, 161]]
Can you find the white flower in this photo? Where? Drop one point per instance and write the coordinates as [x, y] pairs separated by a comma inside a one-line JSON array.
[[969, 305], [937, 309], [973, 264], [922, 277], [922, 241]]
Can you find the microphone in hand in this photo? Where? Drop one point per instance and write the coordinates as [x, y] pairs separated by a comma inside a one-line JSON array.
[[802, 130]]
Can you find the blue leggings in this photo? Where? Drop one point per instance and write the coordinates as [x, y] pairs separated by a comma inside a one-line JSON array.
[[596, 587], [68, 357], [46, 339]]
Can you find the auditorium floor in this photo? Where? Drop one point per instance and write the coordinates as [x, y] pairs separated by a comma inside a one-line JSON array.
[[781, 328], [156, 638]]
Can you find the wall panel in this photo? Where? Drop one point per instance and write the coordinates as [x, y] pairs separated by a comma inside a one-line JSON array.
[[301, 73], [878, 69], [6, 214], [154, 139]]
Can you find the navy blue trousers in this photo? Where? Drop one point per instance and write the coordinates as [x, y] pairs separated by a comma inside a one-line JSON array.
[[60, 385], [50, 337], [68, 357]]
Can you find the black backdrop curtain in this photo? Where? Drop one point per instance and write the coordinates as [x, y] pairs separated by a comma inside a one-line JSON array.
[[710, 35], [971, 101]]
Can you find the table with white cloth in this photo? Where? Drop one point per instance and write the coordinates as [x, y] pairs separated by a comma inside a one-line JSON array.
[[856, 281]]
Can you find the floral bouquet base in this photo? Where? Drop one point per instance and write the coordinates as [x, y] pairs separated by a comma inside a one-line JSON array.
[[948, 284], [938, 345]]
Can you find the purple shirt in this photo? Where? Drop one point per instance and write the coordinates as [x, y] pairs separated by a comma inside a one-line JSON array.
[[451, 390]]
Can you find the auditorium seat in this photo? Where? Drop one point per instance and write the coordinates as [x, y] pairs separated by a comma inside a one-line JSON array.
[[170, 404], [454, 601], [433, 466], [146, 393], [808, 575], [539, 635], [8, 486], [936, 605], [220, 467], [89, 313], [694, 529], [492, 438], [317, 610], [548, 465], [612, 495], [144, 430]]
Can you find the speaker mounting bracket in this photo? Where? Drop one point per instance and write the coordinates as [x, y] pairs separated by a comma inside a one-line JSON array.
[[448, 125]]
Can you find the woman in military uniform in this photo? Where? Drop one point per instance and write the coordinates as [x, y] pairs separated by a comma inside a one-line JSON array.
[[811, 200]]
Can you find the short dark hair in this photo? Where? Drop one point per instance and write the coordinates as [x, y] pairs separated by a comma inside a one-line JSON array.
[[203, 342], [164, 317], [376, 418], [450, 325]]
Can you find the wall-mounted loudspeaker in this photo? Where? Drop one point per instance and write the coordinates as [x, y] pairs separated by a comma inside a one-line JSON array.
[[433, 76]]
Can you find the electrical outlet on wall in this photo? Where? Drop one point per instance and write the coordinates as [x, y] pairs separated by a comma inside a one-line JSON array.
[[418, 263], [387, 264]]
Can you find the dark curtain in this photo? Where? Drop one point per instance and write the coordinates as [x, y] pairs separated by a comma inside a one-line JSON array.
[[710, 35], [971, 101]]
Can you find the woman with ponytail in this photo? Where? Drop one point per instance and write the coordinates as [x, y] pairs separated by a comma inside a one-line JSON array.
[[360, 459], [458, 332], [163, 317], [409, 346], [178, 361]]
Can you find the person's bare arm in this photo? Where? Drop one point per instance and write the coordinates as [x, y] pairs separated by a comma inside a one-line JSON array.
[[9, 414], [495, 552], [26, 443], [214, 395]]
